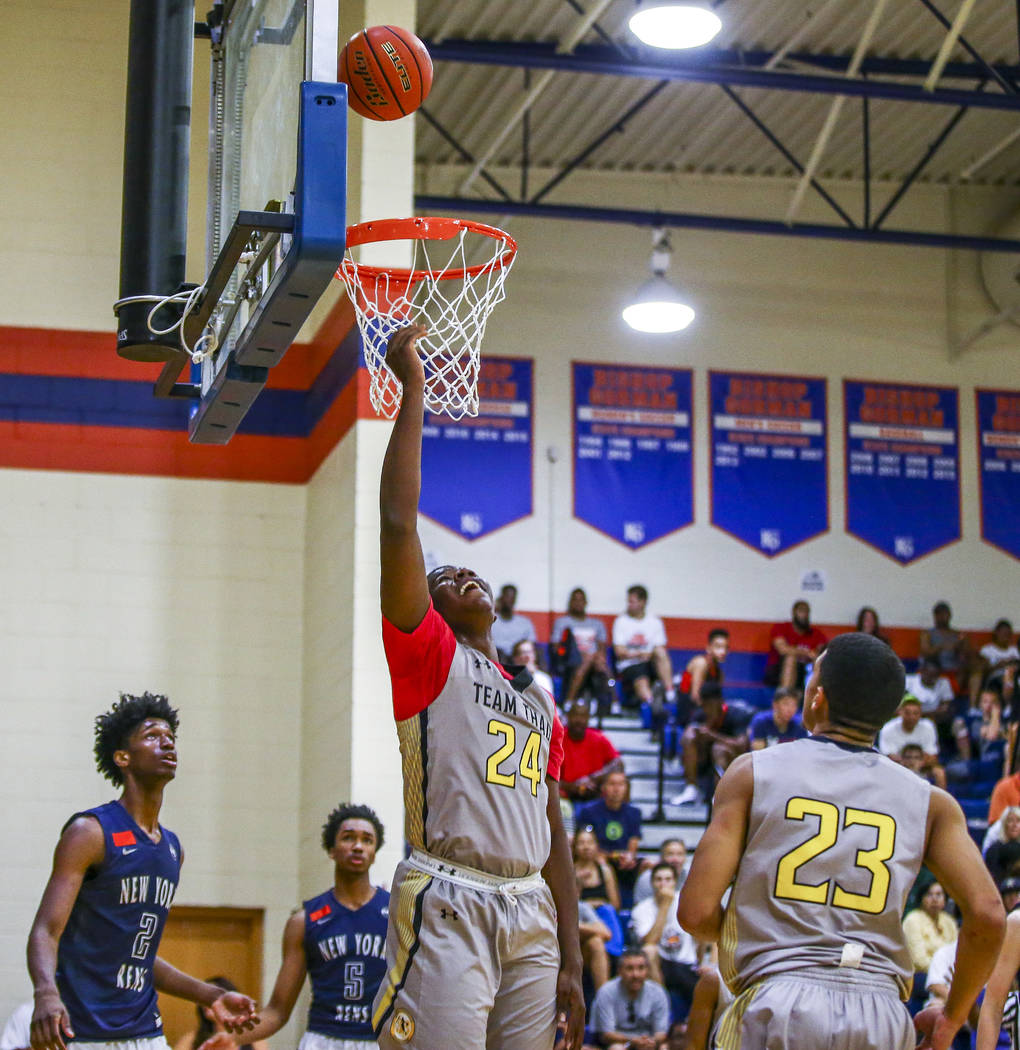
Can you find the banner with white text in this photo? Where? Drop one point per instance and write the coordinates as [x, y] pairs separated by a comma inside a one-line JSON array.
[[633, 463], [902, 467], [998, 422], [476, 472], [769, 461]]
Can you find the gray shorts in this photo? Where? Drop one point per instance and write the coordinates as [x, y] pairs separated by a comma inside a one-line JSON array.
[[820, 1008], [467, 967]]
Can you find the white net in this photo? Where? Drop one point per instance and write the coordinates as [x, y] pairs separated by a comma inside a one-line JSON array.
[[452, 298]]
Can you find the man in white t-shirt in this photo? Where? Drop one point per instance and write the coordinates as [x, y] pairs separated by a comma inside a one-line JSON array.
[[908, 727], [931, 687], [639, 644], [584, 665], [1001, 655]]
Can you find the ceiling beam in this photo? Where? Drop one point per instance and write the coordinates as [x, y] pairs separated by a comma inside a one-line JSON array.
[[745, 69]]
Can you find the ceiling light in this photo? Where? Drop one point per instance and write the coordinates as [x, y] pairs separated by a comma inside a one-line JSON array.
[[658, 306], [674, 25]]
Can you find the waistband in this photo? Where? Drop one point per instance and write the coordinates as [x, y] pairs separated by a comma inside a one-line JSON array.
[[851, 979], [472, 877]]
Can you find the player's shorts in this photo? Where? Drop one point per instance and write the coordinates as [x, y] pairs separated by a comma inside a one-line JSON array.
[[472, 961], [318, 1041], [834, 1008], [152, 1042]]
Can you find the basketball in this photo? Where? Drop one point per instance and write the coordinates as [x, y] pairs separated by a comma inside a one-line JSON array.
[[387, 70]]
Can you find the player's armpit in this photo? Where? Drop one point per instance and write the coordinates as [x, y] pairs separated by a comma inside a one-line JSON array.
[[717, 856]]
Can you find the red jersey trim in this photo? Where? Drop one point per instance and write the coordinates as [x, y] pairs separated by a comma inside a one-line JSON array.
[[419, 662], [556, 749]]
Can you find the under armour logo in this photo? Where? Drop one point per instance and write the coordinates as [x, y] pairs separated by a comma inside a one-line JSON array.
[[449, 913]]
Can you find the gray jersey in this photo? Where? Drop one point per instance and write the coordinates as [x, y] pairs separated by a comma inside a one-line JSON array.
[[476, 747], [835, 839]]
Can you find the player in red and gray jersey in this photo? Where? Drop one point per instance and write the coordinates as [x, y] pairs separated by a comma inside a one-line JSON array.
[[482, 946]]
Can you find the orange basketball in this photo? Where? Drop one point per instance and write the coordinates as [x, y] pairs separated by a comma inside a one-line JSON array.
[[387, 71]]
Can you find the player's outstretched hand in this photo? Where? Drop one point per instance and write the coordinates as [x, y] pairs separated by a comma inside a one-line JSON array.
[[936, 1031], [570, 1009], [402, 356], [50, 1023], [236, 1012], [219, 1041]]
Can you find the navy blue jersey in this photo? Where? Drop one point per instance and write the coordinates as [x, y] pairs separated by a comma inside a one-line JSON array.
[[107, 951], [345, 952]]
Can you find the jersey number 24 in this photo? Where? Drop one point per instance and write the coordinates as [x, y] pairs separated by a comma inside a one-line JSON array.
[[530, 768]]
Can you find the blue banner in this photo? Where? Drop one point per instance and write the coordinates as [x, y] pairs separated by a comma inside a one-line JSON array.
[[633, 465], [902, 467], [476, 472], [769, 466], [998, 420]]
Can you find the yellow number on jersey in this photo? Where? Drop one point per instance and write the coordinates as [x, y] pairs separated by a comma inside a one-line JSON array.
[[871, 860], [530, 767]]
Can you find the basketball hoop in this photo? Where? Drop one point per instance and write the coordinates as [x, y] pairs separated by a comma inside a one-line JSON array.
[[452, 298]]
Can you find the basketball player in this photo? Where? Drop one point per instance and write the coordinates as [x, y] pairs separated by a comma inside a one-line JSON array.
[[92, 948], [1000, 1008], [488, 889], [337, 939], [821, 839]]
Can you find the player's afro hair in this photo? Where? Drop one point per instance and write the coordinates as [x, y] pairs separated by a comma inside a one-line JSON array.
[[115, 727], [863, 680], [348, 811]]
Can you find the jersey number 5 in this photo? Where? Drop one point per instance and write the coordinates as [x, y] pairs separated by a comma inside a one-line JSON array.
[[529, 767], [871, 860]]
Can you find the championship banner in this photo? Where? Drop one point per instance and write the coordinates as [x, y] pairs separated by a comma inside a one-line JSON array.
[[998, 421], [476, 472], [902, 467], [633, 465], [769, 463]]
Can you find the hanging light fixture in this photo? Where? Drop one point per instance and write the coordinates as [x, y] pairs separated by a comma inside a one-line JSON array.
[[674, 26], [658, 306]]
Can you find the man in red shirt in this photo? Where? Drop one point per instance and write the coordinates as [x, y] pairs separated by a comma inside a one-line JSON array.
[[793, 646], [1006, 793], [588, 755]]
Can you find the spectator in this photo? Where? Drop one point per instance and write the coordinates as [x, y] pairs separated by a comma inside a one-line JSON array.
[[523, 655], [927, 928], [593, 933], [596, 880], [706, 667], [912, 756], [631, 1012], [908, 727], [867, 623], [1000, 657], [639, 644], [588, 755], [710, 743], [1003, 855], [793, 646], [1005, 793], [207, 1024], [579, 642], [509, 627], [781, 724], [617, 826], [946, 645], [935, 692], [672, 953], [981, 732], [1010, 891], [674, 853]]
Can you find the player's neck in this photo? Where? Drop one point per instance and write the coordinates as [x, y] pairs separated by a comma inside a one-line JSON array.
[[844, 735], [353, 891], [143, 803], [482, 642]]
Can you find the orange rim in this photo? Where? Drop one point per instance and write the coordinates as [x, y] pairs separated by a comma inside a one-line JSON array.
[[424, 229]]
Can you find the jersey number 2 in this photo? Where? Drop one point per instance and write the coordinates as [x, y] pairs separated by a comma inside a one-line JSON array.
[[872, 860], [529, 767]]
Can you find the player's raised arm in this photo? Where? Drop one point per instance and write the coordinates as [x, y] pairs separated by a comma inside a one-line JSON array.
[[80, 848], [404, 590]]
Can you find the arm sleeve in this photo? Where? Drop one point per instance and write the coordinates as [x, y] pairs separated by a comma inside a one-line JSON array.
[[931, 740], [642, 918], [600, 631], [419, 662], [607, 751], [556, 750], [660, 633], [618, 631]]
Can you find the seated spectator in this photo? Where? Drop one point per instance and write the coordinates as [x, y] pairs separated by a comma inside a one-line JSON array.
[[908, 727], [593, 933], [207, 1024], [912, 756], [946, 646], [710, 743], [1009, 890], [867, 623], [779, 725], [1000, 658], [674, 853], [1005, 793], [672, 953], [701, 670], [793, 647], [588, 755], [523, 655], [509, 627], [579, 642], [639, 645], [617, 825], [596, 880], [935, 692], [927, 928], [980, 733], [1003, 855], [631, 1012]]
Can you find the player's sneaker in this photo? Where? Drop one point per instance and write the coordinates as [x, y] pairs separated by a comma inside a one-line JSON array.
[[687, 797]]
